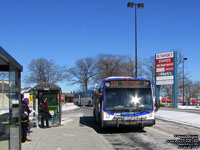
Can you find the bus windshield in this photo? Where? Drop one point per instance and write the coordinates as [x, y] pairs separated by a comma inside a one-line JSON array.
[[128, 98]]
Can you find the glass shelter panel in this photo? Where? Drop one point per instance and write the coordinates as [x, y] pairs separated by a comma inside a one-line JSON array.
[[14, 110], [4, 110], [10, 84]]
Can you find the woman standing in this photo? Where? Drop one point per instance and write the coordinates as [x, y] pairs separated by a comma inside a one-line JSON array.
[[44, 113], [24, 119]]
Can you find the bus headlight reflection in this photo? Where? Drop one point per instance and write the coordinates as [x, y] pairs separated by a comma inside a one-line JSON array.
[[135, 99]]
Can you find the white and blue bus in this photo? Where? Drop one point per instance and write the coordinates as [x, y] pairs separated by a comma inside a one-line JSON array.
[[84, 98], [124, 101]]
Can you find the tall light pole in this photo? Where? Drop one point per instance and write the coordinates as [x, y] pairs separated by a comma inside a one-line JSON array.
[[183, 79], [139, 5]]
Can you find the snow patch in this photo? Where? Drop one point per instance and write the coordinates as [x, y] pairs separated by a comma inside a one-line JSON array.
[[179, 117], [189, 107], [69, 106]]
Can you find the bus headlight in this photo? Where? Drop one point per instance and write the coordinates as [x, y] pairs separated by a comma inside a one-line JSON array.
[[150, 115], [107, 116]]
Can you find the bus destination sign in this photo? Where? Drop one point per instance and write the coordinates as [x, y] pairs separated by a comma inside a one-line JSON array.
[[126, 83]]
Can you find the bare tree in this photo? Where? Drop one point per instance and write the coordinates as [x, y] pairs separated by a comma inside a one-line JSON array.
[[83, 72], [108, 65], [42, 71], [196, 89], [127, 66], [150, 69]]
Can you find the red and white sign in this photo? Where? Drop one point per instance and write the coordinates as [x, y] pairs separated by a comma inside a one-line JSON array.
[[164, 68], [165, 60], [160, 69], [165, 55], [169, 68], [62, 97], [165, 65]]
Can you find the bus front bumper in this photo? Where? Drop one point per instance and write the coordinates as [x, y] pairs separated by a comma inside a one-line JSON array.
[[118, 122]]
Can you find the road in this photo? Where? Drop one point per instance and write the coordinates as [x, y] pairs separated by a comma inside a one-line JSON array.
[[151, 138]]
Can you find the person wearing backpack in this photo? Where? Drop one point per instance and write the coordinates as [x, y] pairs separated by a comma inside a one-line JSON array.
[[24, 109], [44, 113]]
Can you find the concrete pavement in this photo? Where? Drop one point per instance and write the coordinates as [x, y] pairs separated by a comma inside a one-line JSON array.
[[70, 135]]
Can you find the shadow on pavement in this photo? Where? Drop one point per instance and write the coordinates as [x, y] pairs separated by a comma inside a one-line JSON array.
[[89, 122]]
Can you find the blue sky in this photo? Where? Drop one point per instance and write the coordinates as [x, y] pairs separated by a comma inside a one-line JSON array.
[[66, 30]]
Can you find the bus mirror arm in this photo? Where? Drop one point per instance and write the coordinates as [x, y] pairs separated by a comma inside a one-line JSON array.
[[157, 104]]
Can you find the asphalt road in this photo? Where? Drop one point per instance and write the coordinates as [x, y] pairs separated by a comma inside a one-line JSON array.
[[150, 138]]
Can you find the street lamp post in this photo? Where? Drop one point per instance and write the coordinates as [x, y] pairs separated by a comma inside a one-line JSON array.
[[183, 79], [140, 5]]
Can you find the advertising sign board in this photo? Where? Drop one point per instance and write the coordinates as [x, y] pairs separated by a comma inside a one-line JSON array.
[[165, 68]]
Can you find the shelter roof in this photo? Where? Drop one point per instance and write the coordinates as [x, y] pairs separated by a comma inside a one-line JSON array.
[[46, 86]]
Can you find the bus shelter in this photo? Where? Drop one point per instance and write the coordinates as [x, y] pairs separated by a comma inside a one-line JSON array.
[[10, 85], [52, 93]]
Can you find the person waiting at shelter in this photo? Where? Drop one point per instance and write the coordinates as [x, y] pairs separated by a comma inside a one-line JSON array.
[[24, 119], [44, 113]]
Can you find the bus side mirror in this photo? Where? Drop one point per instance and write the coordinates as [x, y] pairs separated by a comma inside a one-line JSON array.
[[100, 94]]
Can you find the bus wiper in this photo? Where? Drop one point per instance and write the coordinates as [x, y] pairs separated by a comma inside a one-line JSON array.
[[124, 109], [142, 109]]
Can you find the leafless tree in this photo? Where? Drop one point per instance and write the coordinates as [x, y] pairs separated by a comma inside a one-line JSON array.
[[45, 71], [83, 72], [127, 66], [196, 89], [108, 65], [150, 69]]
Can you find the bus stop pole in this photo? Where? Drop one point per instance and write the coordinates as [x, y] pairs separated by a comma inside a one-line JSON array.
[[175, 80], [156, 86]]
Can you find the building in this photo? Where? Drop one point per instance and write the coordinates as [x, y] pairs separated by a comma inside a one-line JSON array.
[[68, 97]]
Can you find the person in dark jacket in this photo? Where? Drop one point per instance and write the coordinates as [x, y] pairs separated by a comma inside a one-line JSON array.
[[44, 113], [24, 119]]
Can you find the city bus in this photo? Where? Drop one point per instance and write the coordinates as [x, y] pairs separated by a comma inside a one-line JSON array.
[[124, 101], [84, 98]]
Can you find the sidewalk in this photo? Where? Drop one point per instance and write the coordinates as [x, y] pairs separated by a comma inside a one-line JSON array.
[[71, 135], [179, 117]]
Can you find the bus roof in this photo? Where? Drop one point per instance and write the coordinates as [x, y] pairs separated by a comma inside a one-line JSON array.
[[89, 91], [124, 78]]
